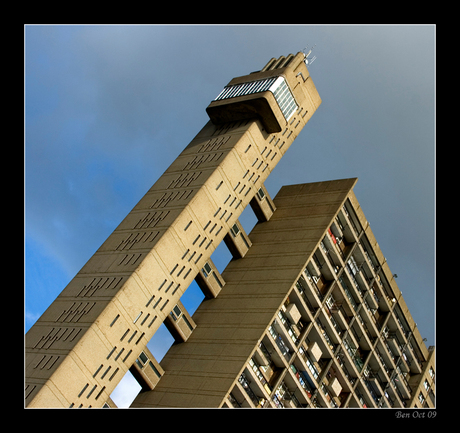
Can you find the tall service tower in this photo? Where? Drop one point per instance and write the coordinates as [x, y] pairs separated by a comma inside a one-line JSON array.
[[98, 327]]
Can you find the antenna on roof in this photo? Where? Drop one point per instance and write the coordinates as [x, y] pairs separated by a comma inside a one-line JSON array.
[[308, 61]]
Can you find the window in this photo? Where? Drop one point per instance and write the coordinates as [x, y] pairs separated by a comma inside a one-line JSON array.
[[246, 88], [154, 369], [276, 85], [117, 317], [176, 313], [261, 194], [431, 372], [142, 360], [235, 230], [421, 398], [207, 269], [284, 97], [426, 385]]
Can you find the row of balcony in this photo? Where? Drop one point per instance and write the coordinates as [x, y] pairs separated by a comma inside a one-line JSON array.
[[327, 346]]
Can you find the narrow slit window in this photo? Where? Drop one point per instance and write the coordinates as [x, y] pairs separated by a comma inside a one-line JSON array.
[[127, 355], [114, 373], [152, 322], [114, 320]]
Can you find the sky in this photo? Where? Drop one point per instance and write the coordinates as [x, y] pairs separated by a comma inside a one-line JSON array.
[[108, 108]]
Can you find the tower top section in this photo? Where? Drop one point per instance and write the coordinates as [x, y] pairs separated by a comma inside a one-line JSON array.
[[271, 95]]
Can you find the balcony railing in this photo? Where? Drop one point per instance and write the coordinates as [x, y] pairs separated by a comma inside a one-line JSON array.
[[348, 293], [302, 285], [293, 334], [339, 357], [326, 336], [283, 347], [233, 400], [303, 381], [251, 394]]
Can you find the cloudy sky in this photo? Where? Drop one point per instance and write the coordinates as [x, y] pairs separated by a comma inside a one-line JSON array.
[[108, 108]]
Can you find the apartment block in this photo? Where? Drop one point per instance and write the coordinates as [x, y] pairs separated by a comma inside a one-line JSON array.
[[311, 317]]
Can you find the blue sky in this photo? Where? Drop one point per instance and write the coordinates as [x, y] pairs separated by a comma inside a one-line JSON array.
[[102, 105]]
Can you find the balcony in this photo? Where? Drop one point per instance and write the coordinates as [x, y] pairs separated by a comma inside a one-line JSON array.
[[295, 380], [346, 367], [354, 353], [403, 327], [302, 301], [328, 334], [369, 323], [303, 379], [352, 218], [349, 295], [292, 320], [284, 397], [233, 401], [372, 299], [394, 343], [269, 369], [361, 398], [373, 389], [316, 279], [307, 356], [403, 386], [326, 264], [377, 363], [342, 222], [309, 291], [255, 371], [361, 334], [244, 384], [342, 242], [335, 317], [415, 363], [274, 330], [337, 310], [333, 255]]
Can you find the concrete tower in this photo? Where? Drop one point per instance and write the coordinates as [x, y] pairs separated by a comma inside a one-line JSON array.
[[98, 327]]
